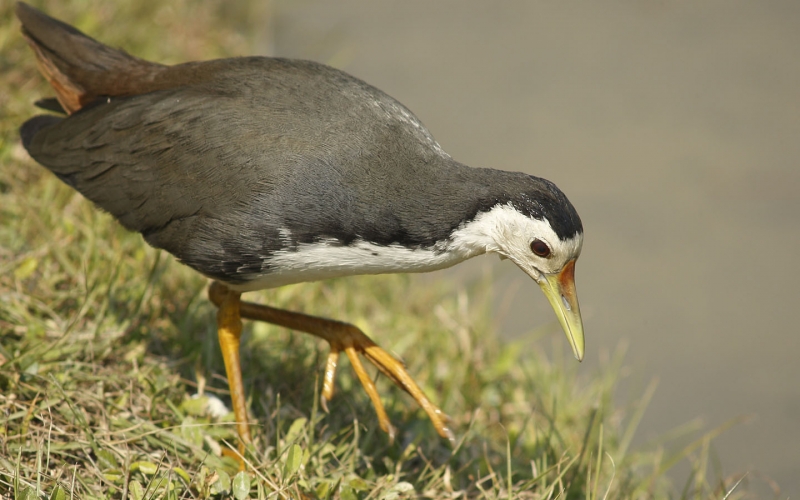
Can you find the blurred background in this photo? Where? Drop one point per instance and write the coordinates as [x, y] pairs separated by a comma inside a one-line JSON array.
[[674, 128]]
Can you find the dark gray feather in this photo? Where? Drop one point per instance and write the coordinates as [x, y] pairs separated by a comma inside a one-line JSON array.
[[215, 171]]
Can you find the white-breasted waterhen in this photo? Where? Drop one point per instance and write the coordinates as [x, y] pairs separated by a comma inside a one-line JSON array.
[[260, 172]]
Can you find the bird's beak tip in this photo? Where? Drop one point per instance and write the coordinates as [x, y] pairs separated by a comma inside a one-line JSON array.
[[559, 288]]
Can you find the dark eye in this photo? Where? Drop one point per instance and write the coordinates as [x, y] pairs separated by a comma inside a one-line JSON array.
[[540, 248]]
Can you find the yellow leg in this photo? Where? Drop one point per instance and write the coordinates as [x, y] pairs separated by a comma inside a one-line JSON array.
[[328, 381], [343, 337], [229, 330]]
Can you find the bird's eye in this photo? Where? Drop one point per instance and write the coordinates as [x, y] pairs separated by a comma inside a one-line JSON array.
[[540, 248]]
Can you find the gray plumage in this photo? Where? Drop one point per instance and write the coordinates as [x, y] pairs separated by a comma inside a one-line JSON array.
[[226, 162]]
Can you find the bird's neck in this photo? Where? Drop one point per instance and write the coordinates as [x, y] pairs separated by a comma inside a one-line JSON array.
[[442, 216]]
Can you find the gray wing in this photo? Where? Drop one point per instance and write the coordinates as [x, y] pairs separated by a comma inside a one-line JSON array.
[[216, 173], [156, 163]]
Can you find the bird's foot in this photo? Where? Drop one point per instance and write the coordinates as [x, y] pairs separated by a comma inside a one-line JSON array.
[[348, 338], [353, 342]]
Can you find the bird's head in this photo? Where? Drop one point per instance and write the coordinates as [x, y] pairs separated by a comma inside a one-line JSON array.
[[549, 259], [540, 231]]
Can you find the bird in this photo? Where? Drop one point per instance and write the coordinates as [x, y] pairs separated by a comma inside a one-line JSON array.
[[260, 172]]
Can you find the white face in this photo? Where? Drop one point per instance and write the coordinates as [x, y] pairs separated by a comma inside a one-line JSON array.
[[533, 246], [510, 235]]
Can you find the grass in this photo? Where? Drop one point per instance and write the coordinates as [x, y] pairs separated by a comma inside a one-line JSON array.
[[109, 358]]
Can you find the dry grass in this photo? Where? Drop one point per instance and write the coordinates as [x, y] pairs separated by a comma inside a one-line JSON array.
[[104, 341]]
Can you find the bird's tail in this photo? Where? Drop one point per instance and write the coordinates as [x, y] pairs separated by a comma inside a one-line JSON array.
[[79, 68]]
